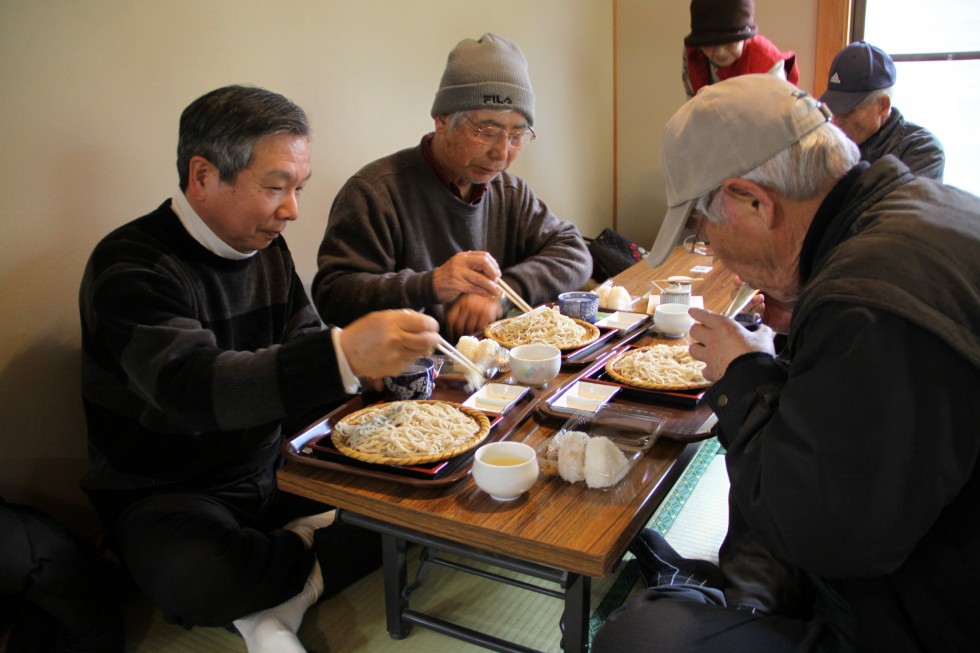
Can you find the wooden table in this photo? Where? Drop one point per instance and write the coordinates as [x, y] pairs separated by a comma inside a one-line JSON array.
[[562, 532]]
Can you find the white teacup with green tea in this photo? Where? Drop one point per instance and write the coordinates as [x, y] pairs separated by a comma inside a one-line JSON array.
[[505, 470]]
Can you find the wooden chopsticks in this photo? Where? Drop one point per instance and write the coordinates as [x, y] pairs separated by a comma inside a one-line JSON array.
[[686, 280], [742, 297], [474, 375], [513, 296]]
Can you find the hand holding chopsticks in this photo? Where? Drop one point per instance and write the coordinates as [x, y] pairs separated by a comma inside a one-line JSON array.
[[474, 375], [515, 299]]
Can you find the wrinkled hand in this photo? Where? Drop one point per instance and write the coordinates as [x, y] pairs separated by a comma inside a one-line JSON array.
[[756, 305], [470, 313], [466, 272], [720, 340], [383, 343], [775, 314]]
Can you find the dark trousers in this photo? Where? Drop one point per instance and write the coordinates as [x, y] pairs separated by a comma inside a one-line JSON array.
[[691, 619], [208, 558], [55, 591]]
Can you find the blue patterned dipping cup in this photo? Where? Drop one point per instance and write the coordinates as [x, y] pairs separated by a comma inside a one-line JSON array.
[[579, 305], [416, 382]]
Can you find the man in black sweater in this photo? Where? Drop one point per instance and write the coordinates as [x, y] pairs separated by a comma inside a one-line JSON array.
[[198, 340]]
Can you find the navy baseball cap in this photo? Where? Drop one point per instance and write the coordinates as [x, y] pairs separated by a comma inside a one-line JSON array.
[[858, 69]]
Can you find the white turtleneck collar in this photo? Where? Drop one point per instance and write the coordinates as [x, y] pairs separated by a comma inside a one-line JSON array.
[[202, 233]]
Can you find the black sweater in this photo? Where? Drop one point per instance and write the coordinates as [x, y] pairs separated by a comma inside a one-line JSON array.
[[190, 360]]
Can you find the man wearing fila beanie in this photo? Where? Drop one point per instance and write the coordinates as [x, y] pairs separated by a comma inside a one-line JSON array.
[[432, 227], [489, 73]]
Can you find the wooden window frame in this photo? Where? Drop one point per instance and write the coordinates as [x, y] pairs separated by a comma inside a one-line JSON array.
[[834, 20]]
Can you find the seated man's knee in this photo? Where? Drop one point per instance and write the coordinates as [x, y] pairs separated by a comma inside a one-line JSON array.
[[186, 565], [668, 620]]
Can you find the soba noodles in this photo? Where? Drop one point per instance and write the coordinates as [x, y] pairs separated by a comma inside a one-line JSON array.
[[545, 325], [405, 429], [658, 366]]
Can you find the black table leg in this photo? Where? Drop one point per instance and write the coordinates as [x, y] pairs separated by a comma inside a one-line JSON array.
[[575, 638], [395, 563]]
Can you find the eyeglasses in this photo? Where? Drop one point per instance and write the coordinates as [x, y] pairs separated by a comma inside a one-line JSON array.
[[491, 134]]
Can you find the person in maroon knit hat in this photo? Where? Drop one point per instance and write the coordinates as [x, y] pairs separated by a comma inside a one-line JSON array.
[[725, 42]]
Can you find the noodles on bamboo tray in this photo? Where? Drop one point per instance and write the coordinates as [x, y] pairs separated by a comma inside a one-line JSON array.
[[658, 367], [410, 432], [545, 325]]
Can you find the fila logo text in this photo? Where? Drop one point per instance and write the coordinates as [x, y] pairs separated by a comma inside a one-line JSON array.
[[496, 99]]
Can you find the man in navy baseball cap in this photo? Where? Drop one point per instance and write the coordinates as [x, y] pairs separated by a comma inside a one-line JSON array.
[[859, 92]]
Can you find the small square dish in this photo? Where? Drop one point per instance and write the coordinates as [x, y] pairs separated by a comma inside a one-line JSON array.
[[583, 396], [495, 398], [623, 321]]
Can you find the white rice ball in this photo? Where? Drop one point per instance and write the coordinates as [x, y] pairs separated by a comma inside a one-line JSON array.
[[486, 352], [615, 298], [605, 465], [603, 292], [554, 444], [468, 346], [571, 456], [619, 299]]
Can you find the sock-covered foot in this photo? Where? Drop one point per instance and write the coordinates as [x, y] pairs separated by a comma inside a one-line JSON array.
[[274, 630], [306, 526], [661, 565]]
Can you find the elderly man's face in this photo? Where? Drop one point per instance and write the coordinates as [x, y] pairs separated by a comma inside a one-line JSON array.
[[749, 246], [471, 159], [251, 212], [862, 123]]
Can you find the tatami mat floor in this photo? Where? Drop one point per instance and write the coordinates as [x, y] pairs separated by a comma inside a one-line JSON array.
[[355, 620], [693, 518]]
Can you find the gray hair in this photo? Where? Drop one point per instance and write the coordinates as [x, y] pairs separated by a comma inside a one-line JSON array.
[[875, 95], [800, 171], [457, 118], [224, 125]]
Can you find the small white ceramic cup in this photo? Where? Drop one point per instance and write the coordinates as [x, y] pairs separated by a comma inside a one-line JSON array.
[[535, 364], [672, 320], [505, 470]]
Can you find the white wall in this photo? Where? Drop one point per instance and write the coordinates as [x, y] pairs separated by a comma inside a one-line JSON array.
[[92, 91]]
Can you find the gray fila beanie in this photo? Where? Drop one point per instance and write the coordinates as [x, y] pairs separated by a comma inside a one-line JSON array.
[[489, 73]]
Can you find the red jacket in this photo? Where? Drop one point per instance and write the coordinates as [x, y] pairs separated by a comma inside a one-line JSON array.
[[759, 55]]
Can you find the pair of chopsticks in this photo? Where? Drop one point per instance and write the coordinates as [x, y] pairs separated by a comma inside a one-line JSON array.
[[744, 293], [474, 375], [515, 299], [678, 280]]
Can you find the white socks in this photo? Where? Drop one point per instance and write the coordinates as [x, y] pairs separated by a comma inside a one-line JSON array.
[[274, 630], [304, 526]]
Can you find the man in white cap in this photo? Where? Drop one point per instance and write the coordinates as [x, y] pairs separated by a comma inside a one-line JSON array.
[[859, 92], [855, 456], [433, 226]]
